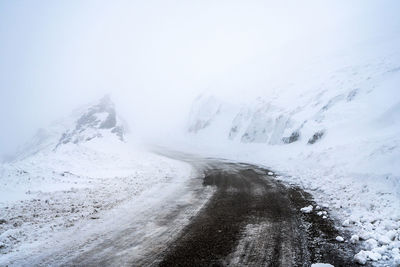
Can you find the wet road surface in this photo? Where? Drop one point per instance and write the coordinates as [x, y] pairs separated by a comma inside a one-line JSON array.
[[254, 220], [231, 214]]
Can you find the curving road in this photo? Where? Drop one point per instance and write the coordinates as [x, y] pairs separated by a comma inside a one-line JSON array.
[[252, 220], [229, 214]]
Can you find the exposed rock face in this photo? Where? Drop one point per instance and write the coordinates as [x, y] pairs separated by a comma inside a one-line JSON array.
[[96, 121], [100, 116], [83, 125], [260, 123], [292, 138], [266, 126], [317, 136]]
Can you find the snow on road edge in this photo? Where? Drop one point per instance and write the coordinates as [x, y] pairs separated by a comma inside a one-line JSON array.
[[53, 193]]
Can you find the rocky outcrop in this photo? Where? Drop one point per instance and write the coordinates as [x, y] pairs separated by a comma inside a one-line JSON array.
[[292, 138], [96, 121], [317, 136]]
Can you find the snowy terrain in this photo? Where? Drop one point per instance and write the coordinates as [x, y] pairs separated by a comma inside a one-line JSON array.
[[71, 176], [331, 126]]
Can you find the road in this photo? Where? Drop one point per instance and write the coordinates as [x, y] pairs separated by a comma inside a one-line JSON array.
[[229, 214], [252, 220]]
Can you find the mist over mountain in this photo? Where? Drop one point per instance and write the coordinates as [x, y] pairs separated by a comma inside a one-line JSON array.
[[240, 133], [94, 121], [336, 98]]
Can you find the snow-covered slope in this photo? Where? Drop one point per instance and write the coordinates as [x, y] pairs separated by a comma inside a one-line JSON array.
[[332, 126], [84, 124], [71, 174]]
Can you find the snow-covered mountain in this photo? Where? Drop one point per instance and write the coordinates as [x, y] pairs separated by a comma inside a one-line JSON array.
[[331, 126], [72, 173], [349, 101], [94, 121], [97, 121]]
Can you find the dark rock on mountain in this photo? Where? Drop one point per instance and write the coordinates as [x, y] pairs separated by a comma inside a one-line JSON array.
[[292, 138], [317, 136], [94, 123]]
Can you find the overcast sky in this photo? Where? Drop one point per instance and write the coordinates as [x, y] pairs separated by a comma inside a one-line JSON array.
[[154, 57]]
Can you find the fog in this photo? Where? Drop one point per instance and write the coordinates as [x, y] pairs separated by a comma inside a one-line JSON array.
[[155, 57]]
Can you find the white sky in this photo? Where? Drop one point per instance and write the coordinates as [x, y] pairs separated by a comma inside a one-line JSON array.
[[154, 57]]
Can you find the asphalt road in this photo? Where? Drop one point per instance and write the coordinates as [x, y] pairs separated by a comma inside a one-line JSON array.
[[253, 220], [229, 214]]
